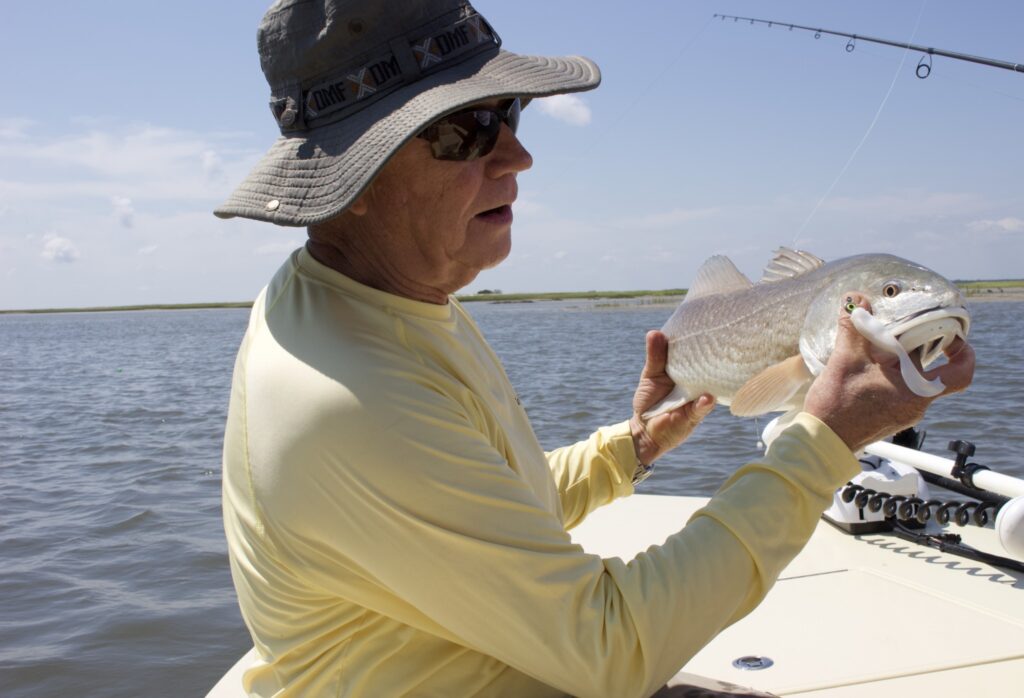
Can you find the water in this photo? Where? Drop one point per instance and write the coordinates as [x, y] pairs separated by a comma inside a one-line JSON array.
[[115, 579]]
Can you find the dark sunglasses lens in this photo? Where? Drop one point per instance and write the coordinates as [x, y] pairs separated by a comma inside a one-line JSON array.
[[479, 132], [470, 134], [512, 115]]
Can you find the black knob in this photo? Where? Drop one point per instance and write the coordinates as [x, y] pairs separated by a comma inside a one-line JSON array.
[[964, 449]]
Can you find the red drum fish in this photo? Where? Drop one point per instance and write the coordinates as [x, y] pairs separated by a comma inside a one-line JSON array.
[[757, 347]]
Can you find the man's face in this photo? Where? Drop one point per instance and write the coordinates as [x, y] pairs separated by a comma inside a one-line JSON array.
[[445, 221]]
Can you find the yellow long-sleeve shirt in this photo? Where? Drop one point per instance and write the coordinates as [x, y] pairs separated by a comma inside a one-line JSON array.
[[395, 528]]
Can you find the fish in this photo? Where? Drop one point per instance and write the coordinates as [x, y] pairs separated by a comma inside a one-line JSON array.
[[757, 347]]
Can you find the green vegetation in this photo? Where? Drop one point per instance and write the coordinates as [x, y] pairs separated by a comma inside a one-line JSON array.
[[970, 288], [498, 297], [169, 306]]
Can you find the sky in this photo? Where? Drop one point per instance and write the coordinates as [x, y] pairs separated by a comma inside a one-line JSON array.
[[124, 124]]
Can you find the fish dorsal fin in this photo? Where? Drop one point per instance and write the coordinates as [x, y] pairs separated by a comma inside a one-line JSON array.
[[788, 264], [717, 275], [771, 389]]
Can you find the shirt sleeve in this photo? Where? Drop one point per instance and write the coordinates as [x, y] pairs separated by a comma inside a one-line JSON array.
[[401, 505], [593, 472]]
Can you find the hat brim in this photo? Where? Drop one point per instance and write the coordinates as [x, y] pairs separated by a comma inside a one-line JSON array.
[[307, 179]]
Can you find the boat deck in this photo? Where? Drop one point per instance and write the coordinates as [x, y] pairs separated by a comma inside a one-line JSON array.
[[854, 615], [867, 615]]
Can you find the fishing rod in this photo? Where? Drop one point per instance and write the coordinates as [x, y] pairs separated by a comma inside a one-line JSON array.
[[924, 66], [959, 470]]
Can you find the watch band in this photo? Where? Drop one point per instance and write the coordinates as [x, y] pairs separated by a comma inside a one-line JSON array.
[[642, 472]]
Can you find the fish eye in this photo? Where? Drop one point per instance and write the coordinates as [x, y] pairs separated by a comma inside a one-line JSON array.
[[891, 289]]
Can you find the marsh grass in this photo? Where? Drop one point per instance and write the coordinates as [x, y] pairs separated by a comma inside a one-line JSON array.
[[1013, 287]]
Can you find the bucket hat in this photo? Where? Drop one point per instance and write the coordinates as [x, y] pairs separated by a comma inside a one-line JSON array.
[[352, 80]]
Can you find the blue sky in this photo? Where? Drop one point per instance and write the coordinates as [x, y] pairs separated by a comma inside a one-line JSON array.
[[125, 123]]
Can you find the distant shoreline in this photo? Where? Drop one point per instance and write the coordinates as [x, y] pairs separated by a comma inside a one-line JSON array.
[[994, 295], [120, 308], [984, 291]]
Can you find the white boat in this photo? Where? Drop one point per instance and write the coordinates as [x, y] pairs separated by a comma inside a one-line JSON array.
[[875, 612]]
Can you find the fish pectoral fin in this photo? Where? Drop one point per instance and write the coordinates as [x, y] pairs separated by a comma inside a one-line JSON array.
[[772, 388], [677, 398]]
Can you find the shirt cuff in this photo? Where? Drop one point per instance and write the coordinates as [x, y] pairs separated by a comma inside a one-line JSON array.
[[617, 443]]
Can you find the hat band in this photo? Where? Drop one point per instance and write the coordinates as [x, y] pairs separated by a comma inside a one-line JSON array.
[[435, 47]]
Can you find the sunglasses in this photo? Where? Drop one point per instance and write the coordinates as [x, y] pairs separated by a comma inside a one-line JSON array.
[[471, 133]]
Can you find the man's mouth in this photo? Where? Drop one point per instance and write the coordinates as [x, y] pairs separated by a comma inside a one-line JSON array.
[[500, 214]]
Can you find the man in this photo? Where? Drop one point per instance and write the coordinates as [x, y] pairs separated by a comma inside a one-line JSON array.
[[393, 524]]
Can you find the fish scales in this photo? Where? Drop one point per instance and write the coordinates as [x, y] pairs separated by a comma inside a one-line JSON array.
[[718, 342]]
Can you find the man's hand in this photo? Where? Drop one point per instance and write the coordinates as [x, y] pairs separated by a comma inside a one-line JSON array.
[[861, 394], [658, 435]]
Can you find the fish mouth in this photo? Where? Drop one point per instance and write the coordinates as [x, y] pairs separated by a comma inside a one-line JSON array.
[[928, 332]]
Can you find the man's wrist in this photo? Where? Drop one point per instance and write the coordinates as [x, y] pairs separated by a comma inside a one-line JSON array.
[[644, 446]]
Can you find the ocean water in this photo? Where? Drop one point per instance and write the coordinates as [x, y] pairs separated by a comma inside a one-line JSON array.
[[115, 578]]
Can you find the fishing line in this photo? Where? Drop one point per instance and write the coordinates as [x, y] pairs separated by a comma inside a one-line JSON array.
[[656, 80], [863, 140], [946, 76]]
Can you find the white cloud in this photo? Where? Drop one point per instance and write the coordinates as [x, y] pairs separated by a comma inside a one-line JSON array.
[[59, 249], [14, 128], [123, 211], [1008, 225], [139, 162], [213, 164], [148, 250], [528, 204], [913, 203], [568, 108]]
